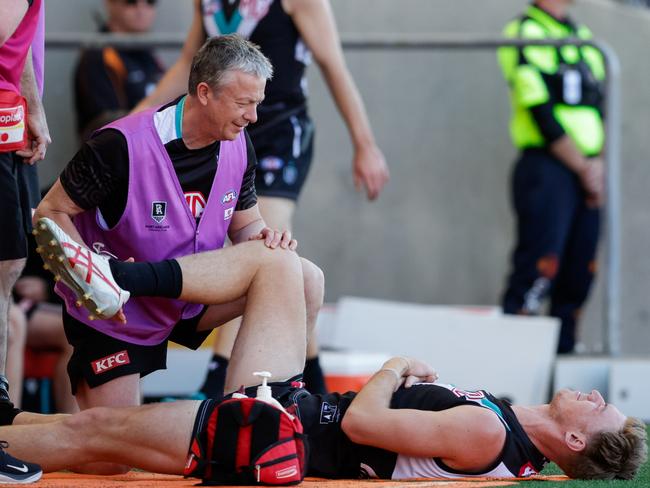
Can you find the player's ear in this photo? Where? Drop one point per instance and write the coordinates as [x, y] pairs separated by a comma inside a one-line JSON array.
[[575, 440]]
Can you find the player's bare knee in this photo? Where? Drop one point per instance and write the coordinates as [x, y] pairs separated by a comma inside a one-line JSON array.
[[281, 260], [314, 281], [89, 421]]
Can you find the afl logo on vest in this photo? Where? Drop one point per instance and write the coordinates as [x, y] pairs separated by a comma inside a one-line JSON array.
[[229, 196]]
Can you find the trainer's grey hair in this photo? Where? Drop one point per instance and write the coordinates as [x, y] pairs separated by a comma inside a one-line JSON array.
[[222, 54]]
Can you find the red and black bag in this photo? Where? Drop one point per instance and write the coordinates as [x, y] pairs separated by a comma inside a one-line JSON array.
[[248, 442], [13, 121]]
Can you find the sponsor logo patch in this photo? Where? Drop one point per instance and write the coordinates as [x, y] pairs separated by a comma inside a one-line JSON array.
[[328, 413], [12, 125], [269, 178], [227, 214], [527, 470], [286, 472], [290, 174], [271, 163], [109, 362], [158, 211], [196, 201]]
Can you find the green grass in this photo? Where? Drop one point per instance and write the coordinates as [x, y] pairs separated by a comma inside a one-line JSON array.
[[642, 480]]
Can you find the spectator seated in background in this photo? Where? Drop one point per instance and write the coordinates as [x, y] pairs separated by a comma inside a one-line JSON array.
[[109, 82]]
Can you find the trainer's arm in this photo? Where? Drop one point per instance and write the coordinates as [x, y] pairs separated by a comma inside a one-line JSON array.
[[315, 22], [174, 82], [246, 224], [370, 421], [60, 208]]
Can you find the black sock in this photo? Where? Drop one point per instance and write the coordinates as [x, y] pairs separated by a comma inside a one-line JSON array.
[[215, 379], [7, 410], [161, 279], [4, 388], [313, 377]]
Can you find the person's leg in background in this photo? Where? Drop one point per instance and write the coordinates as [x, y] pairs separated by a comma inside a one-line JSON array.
[[16, 353], [45, 331], [576, 274], [545, 203]]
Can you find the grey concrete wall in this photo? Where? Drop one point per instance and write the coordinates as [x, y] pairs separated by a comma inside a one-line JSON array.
[[442, 230]]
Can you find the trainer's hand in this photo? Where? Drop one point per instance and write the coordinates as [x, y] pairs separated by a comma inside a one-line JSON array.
[[274, 238], [120, 317]]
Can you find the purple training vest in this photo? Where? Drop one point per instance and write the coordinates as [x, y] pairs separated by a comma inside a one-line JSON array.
[[157, 224]]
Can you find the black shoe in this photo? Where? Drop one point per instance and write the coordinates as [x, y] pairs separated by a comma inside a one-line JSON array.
[[15, 471]]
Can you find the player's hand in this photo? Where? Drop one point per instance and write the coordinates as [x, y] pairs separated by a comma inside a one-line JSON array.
[[370, 170], [412, 370], [274, 238]]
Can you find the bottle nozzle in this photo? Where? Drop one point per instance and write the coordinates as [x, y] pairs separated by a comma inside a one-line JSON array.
[[265, 375]]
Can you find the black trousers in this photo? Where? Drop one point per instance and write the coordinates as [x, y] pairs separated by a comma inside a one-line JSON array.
[[557, 237]]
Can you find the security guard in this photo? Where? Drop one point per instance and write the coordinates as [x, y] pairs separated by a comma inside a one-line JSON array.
[[557, 183]]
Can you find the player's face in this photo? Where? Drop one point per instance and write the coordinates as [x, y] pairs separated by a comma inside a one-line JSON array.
[[234, 104], [587, 412]]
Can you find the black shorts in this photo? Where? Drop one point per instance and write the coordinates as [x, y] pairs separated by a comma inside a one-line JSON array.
[[19, 194], [284, 149], [331, 453], [99, 358]]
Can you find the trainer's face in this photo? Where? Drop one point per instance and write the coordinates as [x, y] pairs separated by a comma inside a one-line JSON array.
[[233, 105], [586, 412]]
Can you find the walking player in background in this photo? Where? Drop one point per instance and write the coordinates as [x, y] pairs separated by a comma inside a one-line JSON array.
[[558, 180], [288, 32]]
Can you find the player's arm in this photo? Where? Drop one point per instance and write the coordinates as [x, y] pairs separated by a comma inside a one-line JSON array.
[[370, 421], [11, 13], [315, 22], [174, 82]]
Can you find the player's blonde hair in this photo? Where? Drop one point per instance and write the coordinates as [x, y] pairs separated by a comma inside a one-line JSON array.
[[612, 455]]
